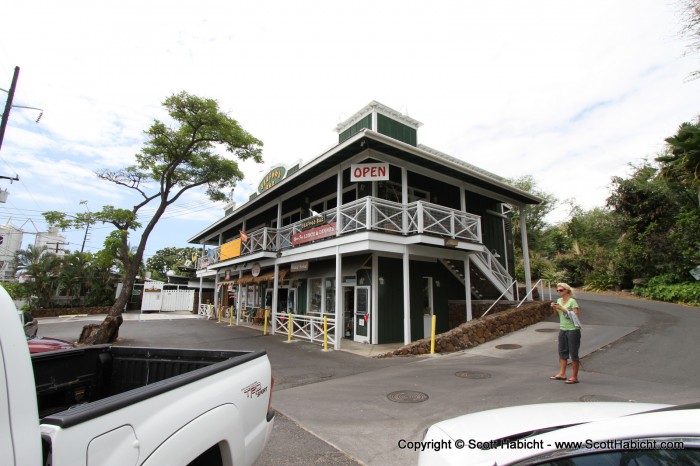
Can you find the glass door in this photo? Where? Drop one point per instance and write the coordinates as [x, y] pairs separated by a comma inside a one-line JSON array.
[[363, 300], [348, 311]]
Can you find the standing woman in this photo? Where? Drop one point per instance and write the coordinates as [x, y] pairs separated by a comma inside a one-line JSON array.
[[569, 332]]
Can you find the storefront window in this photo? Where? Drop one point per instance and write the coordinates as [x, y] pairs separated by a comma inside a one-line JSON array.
[[330, 295], [250, 301], [315, 292]]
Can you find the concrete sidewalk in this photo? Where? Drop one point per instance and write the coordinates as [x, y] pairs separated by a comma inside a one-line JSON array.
[[355, 415]]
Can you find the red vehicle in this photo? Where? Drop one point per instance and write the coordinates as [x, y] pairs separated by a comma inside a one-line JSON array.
[[43, 344]]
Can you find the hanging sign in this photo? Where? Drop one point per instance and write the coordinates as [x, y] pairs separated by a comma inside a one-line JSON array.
[[302, 266], [369, 172], [273, 177], [313, 234]]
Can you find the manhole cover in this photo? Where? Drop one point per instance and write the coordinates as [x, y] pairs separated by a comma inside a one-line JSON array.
[[407, 396], [508, 346], [547, 330], [473, 375], [595, 398]]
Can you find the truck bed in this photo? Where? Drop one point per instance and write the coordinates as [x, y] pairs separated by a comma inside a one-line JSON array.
[[79, 384]]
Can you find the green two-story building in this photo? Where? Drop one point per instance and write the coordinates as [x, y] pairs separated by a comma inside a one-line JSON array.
[[377, 235]]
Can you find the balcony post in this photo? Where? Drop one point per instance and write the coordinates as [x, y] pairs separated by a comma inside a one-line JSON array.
[[368, 212], [338, 203], [419, 215]]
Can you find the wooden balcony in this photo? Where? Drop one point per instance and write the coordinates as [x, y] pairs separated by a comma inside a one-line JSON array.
[[366, 214]]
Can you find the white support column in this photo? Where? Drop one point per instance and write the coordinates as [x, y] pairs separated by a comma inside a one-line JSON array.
[[462, 199], [338, 202], [238, 300], [526, 252], [275, 288], [374, 309], [279, 214], [406, 299], [201, 282], [468, 288], [216, 291], [339, 324], [404, 200]]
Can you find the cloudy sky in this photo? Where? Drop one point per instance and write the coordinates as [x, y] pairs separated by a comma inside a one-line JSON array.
[[568, 92]]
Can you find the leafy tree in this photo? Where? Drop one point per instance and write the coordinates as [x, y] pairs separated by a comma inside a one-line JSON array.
[[657, 218], [538, 229], [587, 257], [44, 268], [682, 159], [690, 21], [168, 259], [541, 236], [172, 161]]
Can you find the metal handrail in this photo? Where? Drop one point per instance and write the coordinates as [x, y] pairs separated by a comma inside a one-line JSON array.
[[514, 282], [541, 283]]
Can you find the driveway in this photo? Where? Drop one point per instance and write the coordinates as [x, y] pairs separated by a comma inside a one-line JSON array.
[[338, 407]]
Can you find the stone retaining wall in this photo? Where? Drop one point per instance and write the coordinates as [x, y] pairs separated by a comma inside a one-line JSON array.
[[66, 311], [478, 331]]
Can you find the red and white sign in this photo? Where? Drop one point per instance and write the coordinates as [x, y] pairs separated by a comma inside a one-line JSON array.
[[313, 234], [369, 172]]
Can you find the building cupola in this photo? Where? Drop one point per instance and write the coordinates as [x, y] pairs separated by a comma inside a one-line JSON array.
[[382, 119]]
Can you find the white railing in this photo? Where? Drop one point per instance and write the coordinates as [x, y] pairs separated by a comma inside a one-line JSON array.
[[541, 283], [305, 327], [206, 311], [514, 283], [494, 267], [424, 217], [368, 213]]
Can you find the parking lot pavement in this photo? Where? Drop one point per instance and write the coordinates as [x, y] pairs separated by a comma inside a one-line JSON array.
[[356, 415], [343, 399]]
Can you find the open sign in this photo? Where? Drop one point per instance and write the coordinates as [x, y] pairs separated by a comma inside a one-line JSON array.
[[369, 172]]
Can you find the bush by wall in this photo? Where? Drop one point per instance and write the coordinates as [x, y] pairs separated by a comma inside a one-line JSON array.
[[478, 331], [686, 293]]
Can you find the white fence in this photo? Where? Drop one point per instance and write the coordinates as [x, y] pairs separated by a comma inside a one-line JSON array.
[[167, 300], [305, 327]]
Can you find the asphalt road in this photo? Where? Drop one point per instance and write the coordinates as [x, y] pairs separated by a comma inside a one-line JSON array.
[[335, 407]]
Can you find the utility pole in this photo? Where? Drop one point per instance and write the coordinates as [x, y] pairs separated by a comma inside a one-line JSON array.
[[87, 227], [8, 105]]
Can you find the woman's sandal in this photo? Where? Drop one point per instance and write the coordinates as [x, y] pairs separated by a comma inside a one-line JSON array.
[[571, 381], [556, 377]]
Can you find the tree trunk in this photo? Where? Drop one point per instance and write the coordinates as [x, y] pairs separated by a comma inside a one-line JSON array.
[[97, 334], [108, 330]]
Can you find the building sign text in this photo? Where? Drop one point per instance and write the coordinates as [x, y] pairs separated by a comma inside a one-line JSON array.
[[369, 172]]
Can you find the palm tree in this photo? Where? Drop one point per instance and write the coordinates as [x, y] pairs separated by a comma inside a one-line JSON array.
[[682, 159], [75, 277], [26, 258], [44, 268]]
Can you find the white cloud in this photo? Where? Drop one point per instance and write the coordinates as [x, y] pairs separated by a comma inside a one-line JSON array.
[[569, 92]]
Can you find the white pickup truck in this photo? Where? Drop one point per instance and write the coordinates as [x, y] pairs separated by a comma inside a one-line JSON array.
[[110, 405]]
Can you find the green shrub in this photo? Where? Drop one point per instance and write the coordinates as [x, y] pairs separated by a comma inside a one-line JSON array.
[[688, 293], [600, 281]]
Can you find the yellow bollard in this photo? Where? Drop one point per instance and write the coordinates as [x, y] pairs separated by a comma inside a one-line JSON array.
[[289, 326], [218, 315], [267, 314], [230, 316], [432, 336], [325, 333]]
